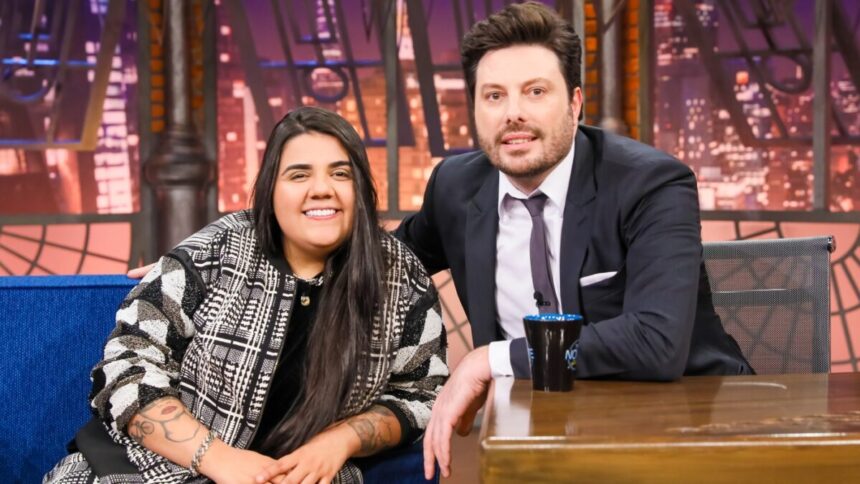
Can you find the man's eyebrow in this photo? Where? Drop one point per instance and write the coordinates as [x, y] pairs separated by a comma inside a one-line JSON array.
[[491, 85], [307, 166]]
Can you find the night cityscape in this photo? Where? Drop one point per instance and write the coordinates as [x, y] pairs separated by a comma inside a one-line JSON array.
[[694, 126], [104, 180], [691, 124], [237, 117]]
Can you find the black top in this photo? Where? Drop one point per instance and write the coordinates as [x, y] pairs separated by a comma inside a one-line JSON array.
[[286, 384]]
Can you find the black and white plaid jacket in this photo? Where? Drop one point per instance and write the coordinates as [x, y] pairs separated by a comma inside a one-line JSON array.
[[207, 323]]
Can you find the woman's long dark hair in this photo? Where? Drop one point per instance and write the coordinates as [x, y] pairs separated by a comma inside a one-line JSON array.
[[336, 357]]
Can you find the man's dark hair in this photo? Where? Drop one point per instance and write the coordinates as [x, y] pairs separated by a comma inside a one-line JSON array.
[[529, 23], [352, 293]]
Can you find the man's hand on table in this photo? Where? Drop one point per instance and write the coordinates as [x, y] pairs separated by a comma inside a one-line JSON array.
[[455, 408]]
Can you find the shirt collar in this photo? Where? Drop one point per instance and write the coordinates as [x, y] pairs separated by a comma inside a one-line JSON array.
[[554, 185]]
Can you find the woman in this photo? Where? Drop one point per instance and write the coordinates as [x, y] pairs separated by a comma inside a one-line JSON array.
[[298, 330]]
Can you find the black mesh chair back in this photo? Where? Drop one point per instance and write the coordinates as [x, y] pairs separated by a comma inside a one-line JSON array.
[[773, 296]]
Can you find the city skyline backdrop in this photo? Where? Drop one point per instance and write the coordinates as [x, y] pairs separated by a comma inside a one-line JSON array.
[[689, 120]]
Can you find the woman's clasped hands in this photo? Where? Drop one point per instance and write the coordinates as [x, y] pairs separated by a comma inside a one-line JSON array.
[[318, 461]]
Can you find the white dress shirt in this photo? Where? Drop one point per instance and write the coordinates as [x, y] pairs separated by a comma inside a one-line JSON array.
[[514, 286]]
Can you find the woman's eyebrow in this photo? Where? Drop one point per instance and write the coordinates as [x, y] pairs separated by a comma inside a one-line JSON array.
[[307, 166], [296, 166]]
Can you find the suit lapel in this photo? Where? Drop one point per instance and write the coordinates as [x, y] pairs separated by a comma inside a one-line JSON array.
[[578, 220], [482, 221]]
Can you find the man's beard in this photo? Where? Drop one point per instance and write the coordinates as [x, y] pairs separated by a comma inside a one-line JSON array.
[[556, 146]]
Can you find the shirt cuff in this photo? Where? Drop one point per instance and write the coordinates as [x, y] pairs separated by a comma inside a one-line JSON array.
[[500, 359]]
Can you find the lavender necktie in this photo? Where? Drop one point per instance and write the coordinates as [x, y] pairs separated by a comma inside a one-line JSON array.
[[547, 302]]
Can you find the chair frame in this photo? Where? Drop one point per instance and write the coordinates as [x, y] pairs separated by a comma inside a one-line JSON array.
[[816, 247]]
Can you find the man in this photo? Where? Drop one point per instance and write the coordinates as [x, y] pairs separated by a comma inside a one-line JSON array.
[[622, 239]]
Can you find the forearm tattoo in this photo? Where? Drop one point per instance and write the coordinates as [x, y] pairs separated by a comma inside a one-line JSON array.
[[374, 429], [169, 415]]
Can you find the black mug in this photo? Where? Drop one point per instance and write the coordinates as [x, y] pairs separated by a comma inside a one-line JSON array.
[[553, 341]]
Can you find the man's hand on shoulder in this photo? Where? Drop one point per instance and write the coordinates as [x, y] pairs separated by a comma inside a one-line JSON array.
[[455, 408], [140, 272]]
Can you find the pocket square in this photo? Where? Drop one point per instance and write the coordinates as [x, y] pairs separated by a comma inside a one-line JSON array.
[[595, 278]]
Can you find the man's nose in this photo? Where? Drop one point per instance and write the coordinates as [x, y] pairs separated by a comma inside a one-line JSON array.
[[514, 112]]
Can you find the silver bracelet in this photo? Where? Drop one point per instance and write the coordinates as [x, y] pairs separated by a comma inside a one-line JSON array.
[[204, 446]]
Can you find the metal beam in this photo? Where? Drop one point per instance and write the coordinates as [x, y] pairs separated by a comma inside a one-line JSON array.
[[647, 61], [179, 172], [778, 216], [720, 80], [251, 65], [110, 36], [611, 73], [574, 12], [67, 218], [387, 11], [821, 105], [844, 38], [425, 71], [143, 244]]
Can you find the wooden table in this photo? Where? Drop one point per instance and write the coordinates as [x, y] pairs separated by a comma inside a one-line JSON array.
[[775, 428]]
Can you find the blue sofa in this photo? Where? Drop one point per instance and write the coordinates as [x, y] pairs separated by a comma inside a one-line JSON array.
[[52, 331]]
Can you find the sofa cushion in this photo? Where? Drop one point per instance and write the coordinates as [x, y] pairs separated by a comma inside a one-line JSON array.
[[52, 331]]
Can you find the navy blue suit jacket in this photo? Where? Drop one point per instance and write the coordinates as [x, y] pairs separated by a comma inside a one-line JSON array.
[[630, 208]]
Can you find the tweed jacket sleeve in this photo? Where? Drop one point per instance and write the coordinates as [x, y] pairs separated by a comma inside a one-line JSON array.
[[420, 366], [144, 352]]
